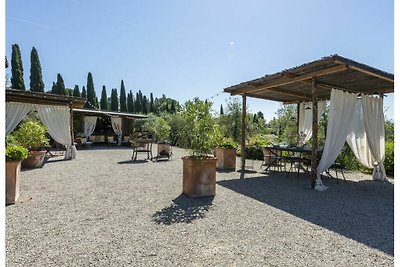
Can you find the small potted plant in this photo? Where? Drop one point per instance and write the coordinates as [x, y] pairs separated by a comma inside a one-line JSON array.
[[14, 155], [160, 130], [199, 135], [31, 135], [226, 154]]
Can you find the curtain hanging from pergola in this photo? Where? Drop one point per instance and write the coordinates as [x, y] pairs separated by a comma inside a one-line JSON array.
[[89, 125], [305, 119], [116, 123], [55, 118], [344, 124]]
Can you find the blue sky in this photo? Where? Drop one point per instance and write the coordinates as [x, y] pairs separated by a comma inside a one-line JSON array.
[[193, 48]]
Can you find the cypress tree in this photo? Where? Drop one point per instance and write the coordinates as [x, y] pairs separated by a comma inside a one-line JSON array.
[[103, 100], [122, 98], [54, 88], [60, 87], [221, 110], [137, 104], [173, 108], [76, 91], [36, 84], [17, 70], [114, 100], [151, 103], [91, 94], [84, 94], [130, 102], [144, 104]]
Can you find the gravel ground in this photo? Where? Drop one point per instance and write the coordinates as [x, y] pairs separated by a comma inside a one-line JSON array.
[[102, 209]]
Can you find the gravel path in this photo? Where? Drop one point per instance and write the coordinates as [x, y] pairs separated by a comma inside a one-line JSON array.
[[102, 209]]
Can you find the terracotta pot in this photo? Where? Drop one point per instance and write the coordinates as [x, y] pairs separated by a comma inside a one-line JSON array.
[[226, 158], [13, 171], [199, 177], [35, 159]]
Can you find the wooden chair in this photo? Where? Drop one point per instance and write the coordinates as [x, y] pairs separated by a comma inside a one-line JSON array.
[[272, 158]]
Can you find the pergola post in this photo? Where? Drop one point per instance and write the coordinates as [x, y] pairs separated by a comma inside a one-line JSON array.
[[71, 117], [314, 152], [243, 139]]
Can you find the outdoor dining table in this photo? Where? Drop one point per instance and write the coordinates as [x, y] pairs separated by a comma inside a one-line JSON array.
[[294, 154]]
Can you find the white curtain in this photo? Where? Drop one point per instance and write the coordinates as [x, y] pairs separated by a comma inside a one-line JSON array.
[[116, 123], [340, 116], [357, 138], [305, 119], [89, 125], [15, 112], [57, 120], [374, 126]]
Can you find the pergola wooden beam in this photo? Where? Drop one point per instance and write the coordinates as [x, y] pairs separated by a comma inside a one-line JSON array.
[[299, 78], [363, 70], [279, 90]]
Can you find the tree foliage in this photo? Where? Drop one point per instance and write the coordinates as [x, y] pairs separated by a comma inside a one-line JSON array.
[[91, 93], [122, 98], [76, 93], [36, 83], [114, 100], [103, 100], [130, 103], [17, 70], [198, 132]]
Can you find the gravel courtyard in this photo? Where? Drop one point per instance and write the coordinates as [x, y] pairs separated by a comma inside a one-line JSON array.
[[102, 209]]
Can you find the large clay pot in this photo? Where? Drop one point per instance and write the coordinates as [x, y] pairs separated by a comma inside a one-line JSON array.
[[34, 160], [13, 171], [226, 158], [199, 177]]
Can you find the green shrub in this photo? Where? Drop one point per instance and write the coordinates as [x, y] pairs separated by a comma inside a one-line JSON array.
[[31, 134], [16, 153], [227, 143], [199, 133], [389, 158], [347, 159]]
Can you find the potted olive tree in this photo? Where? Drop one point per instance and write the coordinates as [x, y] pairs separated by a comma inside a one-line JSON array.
[[199, 135], [160, 129], [14, 155], [226, 154], [31, 135]]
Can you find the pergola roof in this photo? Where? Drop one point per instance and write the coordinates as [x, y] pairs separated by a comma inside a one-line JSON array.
[[294, 85], [104, 113], [14, 95]]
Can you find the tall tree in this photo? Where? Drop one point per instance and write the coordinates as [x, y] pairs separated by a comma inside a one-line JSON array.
[[36, 84], [54, 88], [151, 103], [60, 87], [130, 104], [221, 110], [138, 104], [76, 91], [84, 93], [122, 98], [103, 100], [144, 104], [17, 70], [173, 108], [114, 100], [91, 93]]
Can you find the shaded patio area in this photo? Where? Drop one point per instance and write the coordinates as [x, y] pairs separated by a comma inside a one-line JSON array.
[[103, 209]]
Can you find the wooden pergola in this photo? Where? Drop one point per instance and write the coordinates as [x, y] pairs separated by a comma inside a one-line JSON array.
[[21, 96], [312, 82]]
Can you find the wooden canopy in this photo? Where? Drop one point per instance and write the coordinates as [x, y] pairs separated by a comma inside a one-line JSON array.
[[313, 82], [103, 113], [14, 95], [294, 85]]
